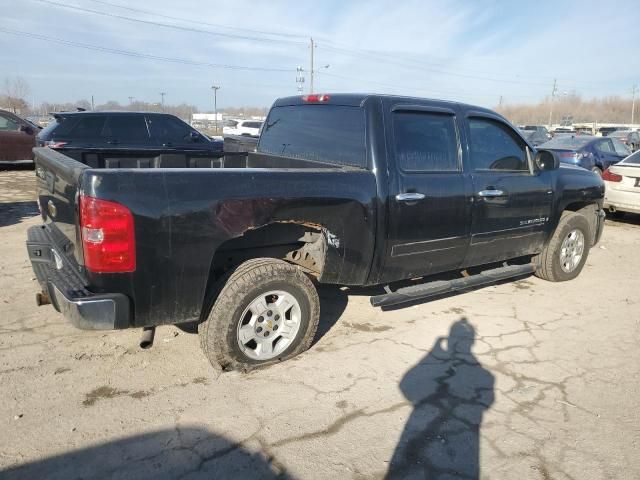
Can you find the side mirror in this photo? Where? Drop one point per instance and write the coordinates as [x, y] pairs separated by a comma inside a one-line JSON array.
[[547, 160], [26, 129], [194, 136]]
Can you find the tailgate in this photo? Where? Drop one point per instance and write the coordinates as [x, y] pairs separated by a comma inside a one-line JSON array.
[[57, 188]]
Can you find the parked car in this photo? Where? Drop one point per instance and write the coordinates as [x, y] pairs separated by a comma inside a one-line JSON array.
[[622, 185], [541, 129], [593, 153], [535, 137], [17, 138], [630, 138], [243, 127], [563, 131], [343, 189], [106, 139]]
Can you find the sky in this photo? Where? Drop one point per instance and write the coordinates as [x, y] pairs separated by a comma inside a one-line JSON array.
[[475, 52]]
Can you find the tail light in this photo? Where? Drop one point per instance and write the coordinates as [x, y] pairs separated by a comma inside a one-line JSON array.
[[609, 176], [54, 144], [108, 239], [316, 98]]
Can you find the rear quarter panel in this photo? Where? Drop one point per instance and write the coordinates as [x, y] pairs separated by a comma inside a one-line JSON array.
[[182, 216]]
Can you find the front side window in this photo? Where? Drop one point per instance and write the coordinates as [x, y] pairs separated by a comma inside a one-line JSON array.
[[167, 129], [495, 146], [8, 124], [425, 142], [620, 148]]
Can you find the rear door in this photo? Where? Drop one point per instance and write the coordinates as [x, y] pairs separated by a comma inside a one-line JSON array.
[[126, 131], [511, 201], [429, 210]]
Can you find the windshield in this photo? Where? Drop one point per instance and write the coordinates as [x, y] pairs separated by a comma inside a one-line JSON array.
[[322, 133], [567, 143]]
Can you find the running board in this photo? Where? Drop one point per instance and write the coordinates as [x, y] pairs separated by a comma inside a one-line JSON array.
[[440, 287]]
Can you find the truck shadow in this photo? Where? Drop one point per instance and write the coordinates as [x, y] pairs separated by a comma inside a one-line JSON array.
[[450, 391], [164, 454], [14, 212]]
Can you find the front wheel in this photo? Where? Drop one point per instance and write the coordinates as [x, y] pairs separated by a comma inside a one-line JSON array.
[[566, 253], [267, 311]]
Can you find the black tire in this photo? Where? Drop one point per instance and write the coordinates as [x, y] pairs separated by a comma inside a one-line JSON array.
[[617, 214], [597, 171], [218, 333], [548, 262]]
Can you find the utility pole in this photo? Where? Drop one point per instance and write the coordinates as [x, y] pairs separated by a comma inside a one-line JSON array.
[[634, 90], [92, 105], [311, 72], [162, 94], [500, 101], [553, 95], [130, 100], [215, 89]]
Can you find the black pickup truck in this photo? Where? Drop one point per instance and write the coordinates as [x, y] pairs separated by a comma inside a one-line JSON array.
[[343, 189]]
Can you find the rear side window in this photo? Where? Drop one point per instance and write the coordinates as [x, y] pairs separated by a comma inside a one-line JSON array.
[[252, 124], [127, 128], [90, 126], [323, 133], [165, 128], [495, 146], [604, 146], [425, 142]]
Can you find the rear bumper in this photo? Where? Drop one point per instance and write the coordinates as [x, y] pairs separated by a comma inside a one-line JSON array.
[[622, 200], [67, 289]]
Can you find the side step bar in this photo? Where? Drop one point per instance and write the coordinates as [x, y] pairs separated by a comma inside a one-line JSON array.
[[440, 287]]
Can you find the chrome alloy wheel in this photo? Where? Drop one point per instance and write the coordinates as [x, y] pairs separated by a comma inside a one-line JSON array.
[[268, 325], [572, 250]]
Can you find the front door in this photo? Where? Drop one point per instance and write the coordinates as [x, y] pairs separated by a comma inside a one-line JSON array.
[[15, 144], [428, 208], [512, 201]]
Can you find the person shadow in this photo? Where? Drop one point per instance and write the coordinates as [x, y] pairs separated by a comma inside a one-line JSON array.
[[450, 391]]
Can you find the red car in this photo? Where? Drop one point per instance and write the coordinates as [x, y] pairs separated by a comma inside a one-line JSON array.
[[17, 138]]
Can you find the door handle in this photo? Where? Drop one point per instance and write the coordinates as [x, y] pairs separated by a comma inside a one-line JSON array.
[[409, 197], [491, 193]]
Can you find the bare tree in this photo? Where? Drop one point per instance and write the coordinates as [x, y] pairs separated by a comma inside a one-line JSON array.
[[16, 91]]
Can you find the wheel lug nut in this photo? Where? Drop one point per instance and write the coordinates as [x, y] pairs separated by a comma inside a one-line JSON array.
[[277, 317], [266, 334], [269, 313], [260, 319], [259, 329], [275, 327]]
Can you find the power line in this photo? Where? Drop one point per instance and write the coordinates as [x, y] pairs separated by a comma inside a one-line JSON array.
[[130, 53], [198, 22], [411, 87], [394, 59], [167, 25]]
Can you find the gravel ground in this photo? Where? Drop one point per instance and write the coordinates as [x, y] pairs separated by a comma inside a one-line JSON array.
[[528, 380]]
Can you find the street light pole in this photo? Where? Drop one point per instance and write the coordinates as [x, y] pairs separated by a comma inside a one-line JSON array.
[[215, 89]]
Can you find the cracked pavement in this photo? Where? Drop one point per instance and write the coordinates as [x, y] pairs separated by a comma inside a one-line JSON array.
[[527, 379]]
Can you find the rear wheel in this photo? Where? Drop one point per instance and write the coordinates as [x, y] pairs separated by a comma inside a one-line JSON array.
[[566, 253], [267, 311]]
